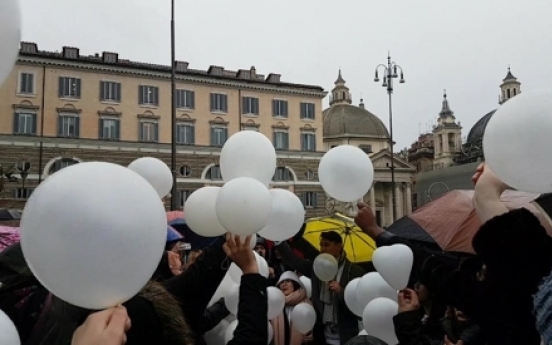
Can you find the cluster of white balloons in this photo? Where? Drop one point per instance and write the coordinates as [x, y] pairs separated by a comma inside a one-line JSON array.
[[374, 296], [245, 205]]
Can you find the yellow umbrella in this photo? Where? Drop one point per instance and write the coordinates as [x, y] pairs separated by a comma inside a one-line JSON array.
[[358, 246]]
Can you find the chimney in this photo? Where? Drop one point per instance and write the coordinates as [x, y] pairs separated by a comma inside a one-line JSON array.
[[361, 105], [253, 72]]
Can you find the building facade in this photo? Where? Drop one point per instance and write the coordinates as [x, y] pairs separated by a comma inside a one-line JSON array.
[[461, 161], [62, 108], [347, 124]]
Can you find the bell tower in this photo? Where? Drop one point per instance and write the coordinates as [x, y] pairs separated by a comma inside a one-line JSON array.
[[340, 93], [509, 88]]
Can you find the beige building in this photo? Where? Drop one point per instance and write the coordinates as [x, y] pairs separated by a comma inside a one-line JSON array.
[[347, 124], [61, 108]]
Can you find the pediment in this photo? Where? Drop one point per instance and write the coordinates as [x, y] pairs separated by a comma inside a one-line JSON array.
[[382, 160]]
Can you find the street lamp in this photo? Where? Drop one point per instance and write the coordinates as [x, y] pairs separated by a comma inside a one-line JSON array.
[[174, 197], [390, 72]]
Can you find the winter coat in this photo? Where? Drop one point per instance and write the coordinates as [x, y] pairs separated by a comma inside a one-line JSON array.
[[347, 321], [411, 331]]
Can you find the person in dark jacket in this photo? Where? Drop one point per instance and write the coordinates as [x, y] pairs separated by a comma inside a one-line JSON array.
[[213, 316], [336, 324], [171, 312]]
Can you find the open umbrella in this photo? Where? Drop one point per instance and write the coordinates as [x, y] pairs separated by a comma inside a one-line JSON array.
[[450, 222], [358, 246], [196, 241]]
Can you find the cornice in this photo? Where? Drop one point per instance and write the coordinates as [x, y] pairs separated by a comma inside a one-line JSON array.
[[130, 71]]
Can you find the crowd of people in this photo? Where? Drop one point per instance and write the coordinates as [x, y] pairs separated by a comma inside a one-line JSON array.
[[500, 296]]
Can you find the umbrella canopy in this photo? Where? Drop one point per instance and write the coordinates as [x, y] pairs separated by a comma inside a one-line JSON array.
[[451, 221], [8, 236], [172, 215], [358, 246], [195, 240]]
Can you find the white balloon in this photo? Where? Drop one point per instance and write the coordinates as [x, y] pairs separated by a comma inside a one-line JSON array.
[[270, 333], [244, 206], [372, 286], [351, 299], [346, 173], [9, 334], [325, 267], [232, 299], [229, 335], [235, 272], [85, 226], [527, 118], [377, 319], [276, 302], [308, 285], [394, 264], [223, 289], [303, 318], [363, 332], [288, 216], [10, 36], [156, 172], [201, 214], [248, 154], [216, 335], [253, 241]]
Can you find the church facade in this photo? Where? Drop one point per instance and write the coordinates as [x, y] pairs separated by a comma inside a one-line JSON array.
[[347, 124]]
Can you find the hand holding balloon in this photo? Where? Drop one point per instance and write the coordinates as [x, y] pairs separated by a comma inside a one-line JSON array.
[[241, 254], [366, 220], [106, 327]]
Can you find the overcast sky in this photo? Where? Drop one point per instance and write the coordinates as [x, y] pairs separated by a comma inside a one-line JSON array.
[[462, 46]]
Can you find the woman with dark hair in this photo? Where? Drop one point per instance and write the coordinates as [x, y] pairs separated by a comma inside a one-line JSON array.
[[295, 293]]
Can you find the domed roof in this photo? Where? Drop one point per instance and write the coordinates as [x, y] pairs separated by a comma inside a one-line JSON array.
[[478, 130], [349, 120]]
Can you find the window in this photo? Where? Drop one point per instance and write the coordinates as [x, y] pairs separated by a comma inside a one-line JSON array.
[[110, 128], [110, 91], [281, 140], [185, 171], [21, 193], [307, 111], [310, 199], [219, 103], [508, 92], [185, 134], [69, 125], [308, 142], [24, 123], [69, 87], [61, 164], [250, 105], [26, 83], [185, 99], [279, 108], [282, 174], [149, 132], [515, 92], [184, 195], [214, 173], [309, 174], [148, 95], [219, 135], [366, 148]]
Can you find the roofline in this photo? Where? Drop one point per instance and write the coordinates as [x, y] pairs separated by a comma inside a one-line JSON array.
[[97, 62]]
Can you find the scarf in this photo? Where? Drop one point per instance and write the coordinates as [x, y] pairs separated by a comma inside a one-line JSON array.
[[328, 298], [279, 323]]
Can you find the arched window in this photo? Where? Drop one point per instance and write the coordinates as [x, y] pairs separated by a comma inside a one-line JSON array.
[[61, 163], [282, 174], [214, 173]]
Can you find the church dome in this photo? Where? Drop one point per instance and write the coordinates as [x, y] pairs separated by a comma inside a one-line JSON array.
[[348, 120], [478, 130], [342, 119]]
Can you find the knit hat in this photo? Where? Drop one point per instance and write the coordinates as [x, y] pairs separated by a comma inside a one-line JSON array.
[[543, 310], [289, 275]]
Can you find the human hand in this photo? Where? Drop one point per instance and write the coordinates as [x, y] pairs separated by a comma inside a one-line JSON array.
[[241, 254], [408, 301], [366, 220], [335, 287], [271, 272], [175, 263], [485, 176], [307, 338], [106, 327]]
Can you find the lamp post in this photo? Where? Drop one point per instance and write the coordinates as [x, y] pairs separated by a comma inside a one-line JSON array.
[[390, 72], [174, 197]]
